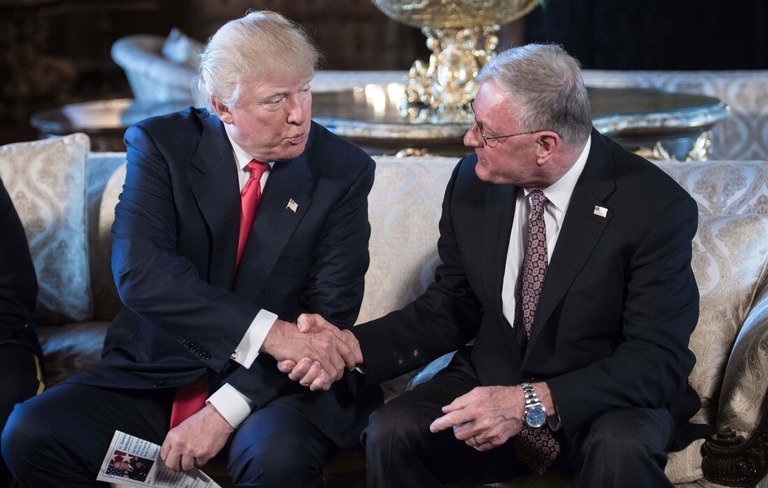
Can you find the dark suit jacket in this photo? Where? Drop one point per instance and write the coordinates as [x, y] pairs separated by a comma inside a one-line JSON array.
[[174, 247], [18, 283], [617, 308]]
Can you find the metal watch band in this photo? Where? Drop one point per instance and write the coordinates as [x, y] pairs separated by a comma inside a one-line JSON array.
[[531, 399]]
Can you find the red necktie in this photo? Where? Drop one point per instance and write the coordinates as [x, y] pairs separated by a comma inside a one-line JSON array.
[[537, 448], [250, 197], [190, 399]]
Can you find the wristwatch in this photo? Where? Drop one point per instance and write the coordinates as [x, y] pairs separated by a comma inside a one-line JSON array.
[[535, 414]]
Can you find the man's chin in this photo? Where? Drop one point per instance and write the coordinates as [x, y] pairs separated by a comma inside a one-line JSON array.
[[291, 151], [482, 173]]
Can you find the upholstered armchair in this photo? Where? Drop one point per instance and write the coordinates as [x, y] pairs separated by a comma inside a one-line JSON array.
[[160, 69]]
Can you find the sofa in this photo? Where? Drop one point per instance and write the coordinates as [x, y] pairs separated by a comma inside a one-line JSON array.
[[65, 195]]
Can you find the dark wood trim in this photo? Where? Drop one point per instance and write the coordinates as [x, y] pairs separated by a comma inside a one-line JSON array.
[[731, 459]]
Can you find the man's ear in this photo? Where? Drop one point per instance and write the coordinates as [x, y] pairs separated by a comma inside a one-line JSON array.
[[222, 111], [547, 142]]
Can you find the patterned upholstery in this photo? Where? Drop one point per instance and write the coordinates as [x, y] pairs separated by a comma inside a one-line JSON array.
[[46, 181]]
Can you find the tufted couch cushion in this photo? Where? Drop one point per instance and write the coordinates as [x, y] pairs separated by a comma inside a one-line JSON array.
[[46, 180]]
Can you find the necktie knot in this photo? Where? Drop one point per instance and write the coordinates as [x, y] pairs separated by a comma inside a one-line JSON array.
[[538, 202], [257, 169]]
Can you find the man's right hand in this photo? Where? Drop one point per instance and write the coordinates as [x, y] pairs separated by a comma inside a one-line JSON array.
[[309, 372], [315, 348]]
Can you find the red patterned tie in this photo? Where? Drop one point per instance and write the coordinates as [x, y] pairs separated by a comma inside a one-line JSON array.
[[537, 448], [190, 399]]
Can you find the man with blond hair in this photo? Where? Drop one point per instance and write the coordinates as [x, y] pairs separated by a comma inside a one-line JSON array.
[[233, 221]]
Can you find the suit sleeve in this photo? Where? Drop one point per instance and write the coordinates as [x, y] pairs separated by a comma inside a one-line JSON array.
[[336, 281], [650, 366], [445, 317], [18, 284]]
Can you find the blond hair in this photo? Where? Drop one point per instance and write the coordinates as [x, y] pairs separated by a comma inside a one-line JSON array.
[[259, 46]]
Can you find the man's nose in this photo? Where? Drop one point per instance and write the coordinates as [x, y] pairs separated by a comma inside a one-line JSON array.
[[472, 137]]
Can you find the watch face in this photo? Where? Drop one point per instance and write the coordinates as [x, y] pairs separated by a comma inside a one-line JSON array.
[[535, 417]]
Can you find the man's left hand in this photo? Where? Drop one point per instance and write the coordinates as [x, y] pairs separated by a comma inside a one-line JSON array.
[[484, 418], [195, 441]]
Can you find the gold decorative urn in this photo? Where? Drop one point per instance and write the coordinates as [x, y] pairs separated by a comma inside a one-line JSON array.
[[462, 37]]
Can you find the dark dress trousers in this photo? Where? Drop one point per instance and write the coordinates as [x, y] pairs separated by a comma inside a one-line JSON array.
[[617, 307]]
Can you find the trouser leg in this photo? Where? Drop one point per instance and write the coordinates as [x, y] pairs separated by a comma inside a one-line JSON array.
[[624, 448], [59, 438], [276, 446], [18, 375], [401, 451]]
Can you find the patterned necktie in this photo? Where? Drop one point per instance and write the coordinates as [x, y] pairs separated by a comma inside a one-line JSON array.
[[190, 399], [536, 448]]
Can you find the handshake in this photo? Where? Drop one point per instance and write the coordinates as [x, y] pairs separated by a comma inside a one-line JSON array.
[[313, 351]]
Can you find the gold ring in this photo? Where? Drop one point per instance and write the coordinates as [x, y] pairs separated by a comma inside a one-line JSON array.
[[477, 442]]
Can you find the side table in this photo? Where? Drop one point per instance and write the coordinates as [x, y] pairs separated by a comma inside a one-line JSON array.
[[104, 121], [656, 124]]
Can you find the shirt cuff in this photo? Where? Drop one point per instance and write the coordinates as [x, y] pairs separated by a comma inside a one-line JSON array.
[[246, 352], [554, 423], [231, 404]]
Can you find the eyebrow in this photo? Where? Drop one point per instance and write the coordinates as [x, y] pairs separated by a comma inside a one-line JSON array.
[[282, 93]]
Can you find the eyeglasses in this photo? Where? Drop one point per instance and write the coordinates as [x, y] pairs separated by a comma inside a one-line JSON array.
[[493, 141]]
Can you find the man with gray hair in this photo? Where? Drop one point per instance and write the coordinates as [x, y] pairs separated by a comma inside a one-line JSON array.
[[233, 221], [565, 283]]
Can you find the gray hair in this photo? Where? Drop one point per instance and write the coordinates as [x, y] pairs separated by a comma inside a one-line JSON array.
[[255, 47], [545, 82]]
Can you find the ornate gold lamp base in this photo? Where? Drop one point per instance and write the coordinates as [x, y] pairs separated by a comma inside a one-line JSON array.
[[461, 36], [447, 84]]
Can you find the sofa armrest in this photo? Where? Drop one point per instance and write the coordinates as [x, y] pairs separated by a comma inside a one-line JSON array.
[[738, 453]]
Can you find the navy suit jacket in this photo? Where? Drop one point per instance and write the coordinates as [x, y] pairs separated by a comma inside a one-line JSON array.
[[617, 307], [174, 247]]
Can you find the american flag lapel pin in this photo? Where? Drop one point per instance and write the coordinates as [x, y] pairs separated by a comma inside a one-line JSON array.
[[292, 206], [600, 211]]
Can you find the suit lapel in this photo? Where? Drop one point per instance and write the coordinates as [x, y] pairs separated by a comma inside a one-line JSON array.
[[214, 184], [582, 229], [287, 197]]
